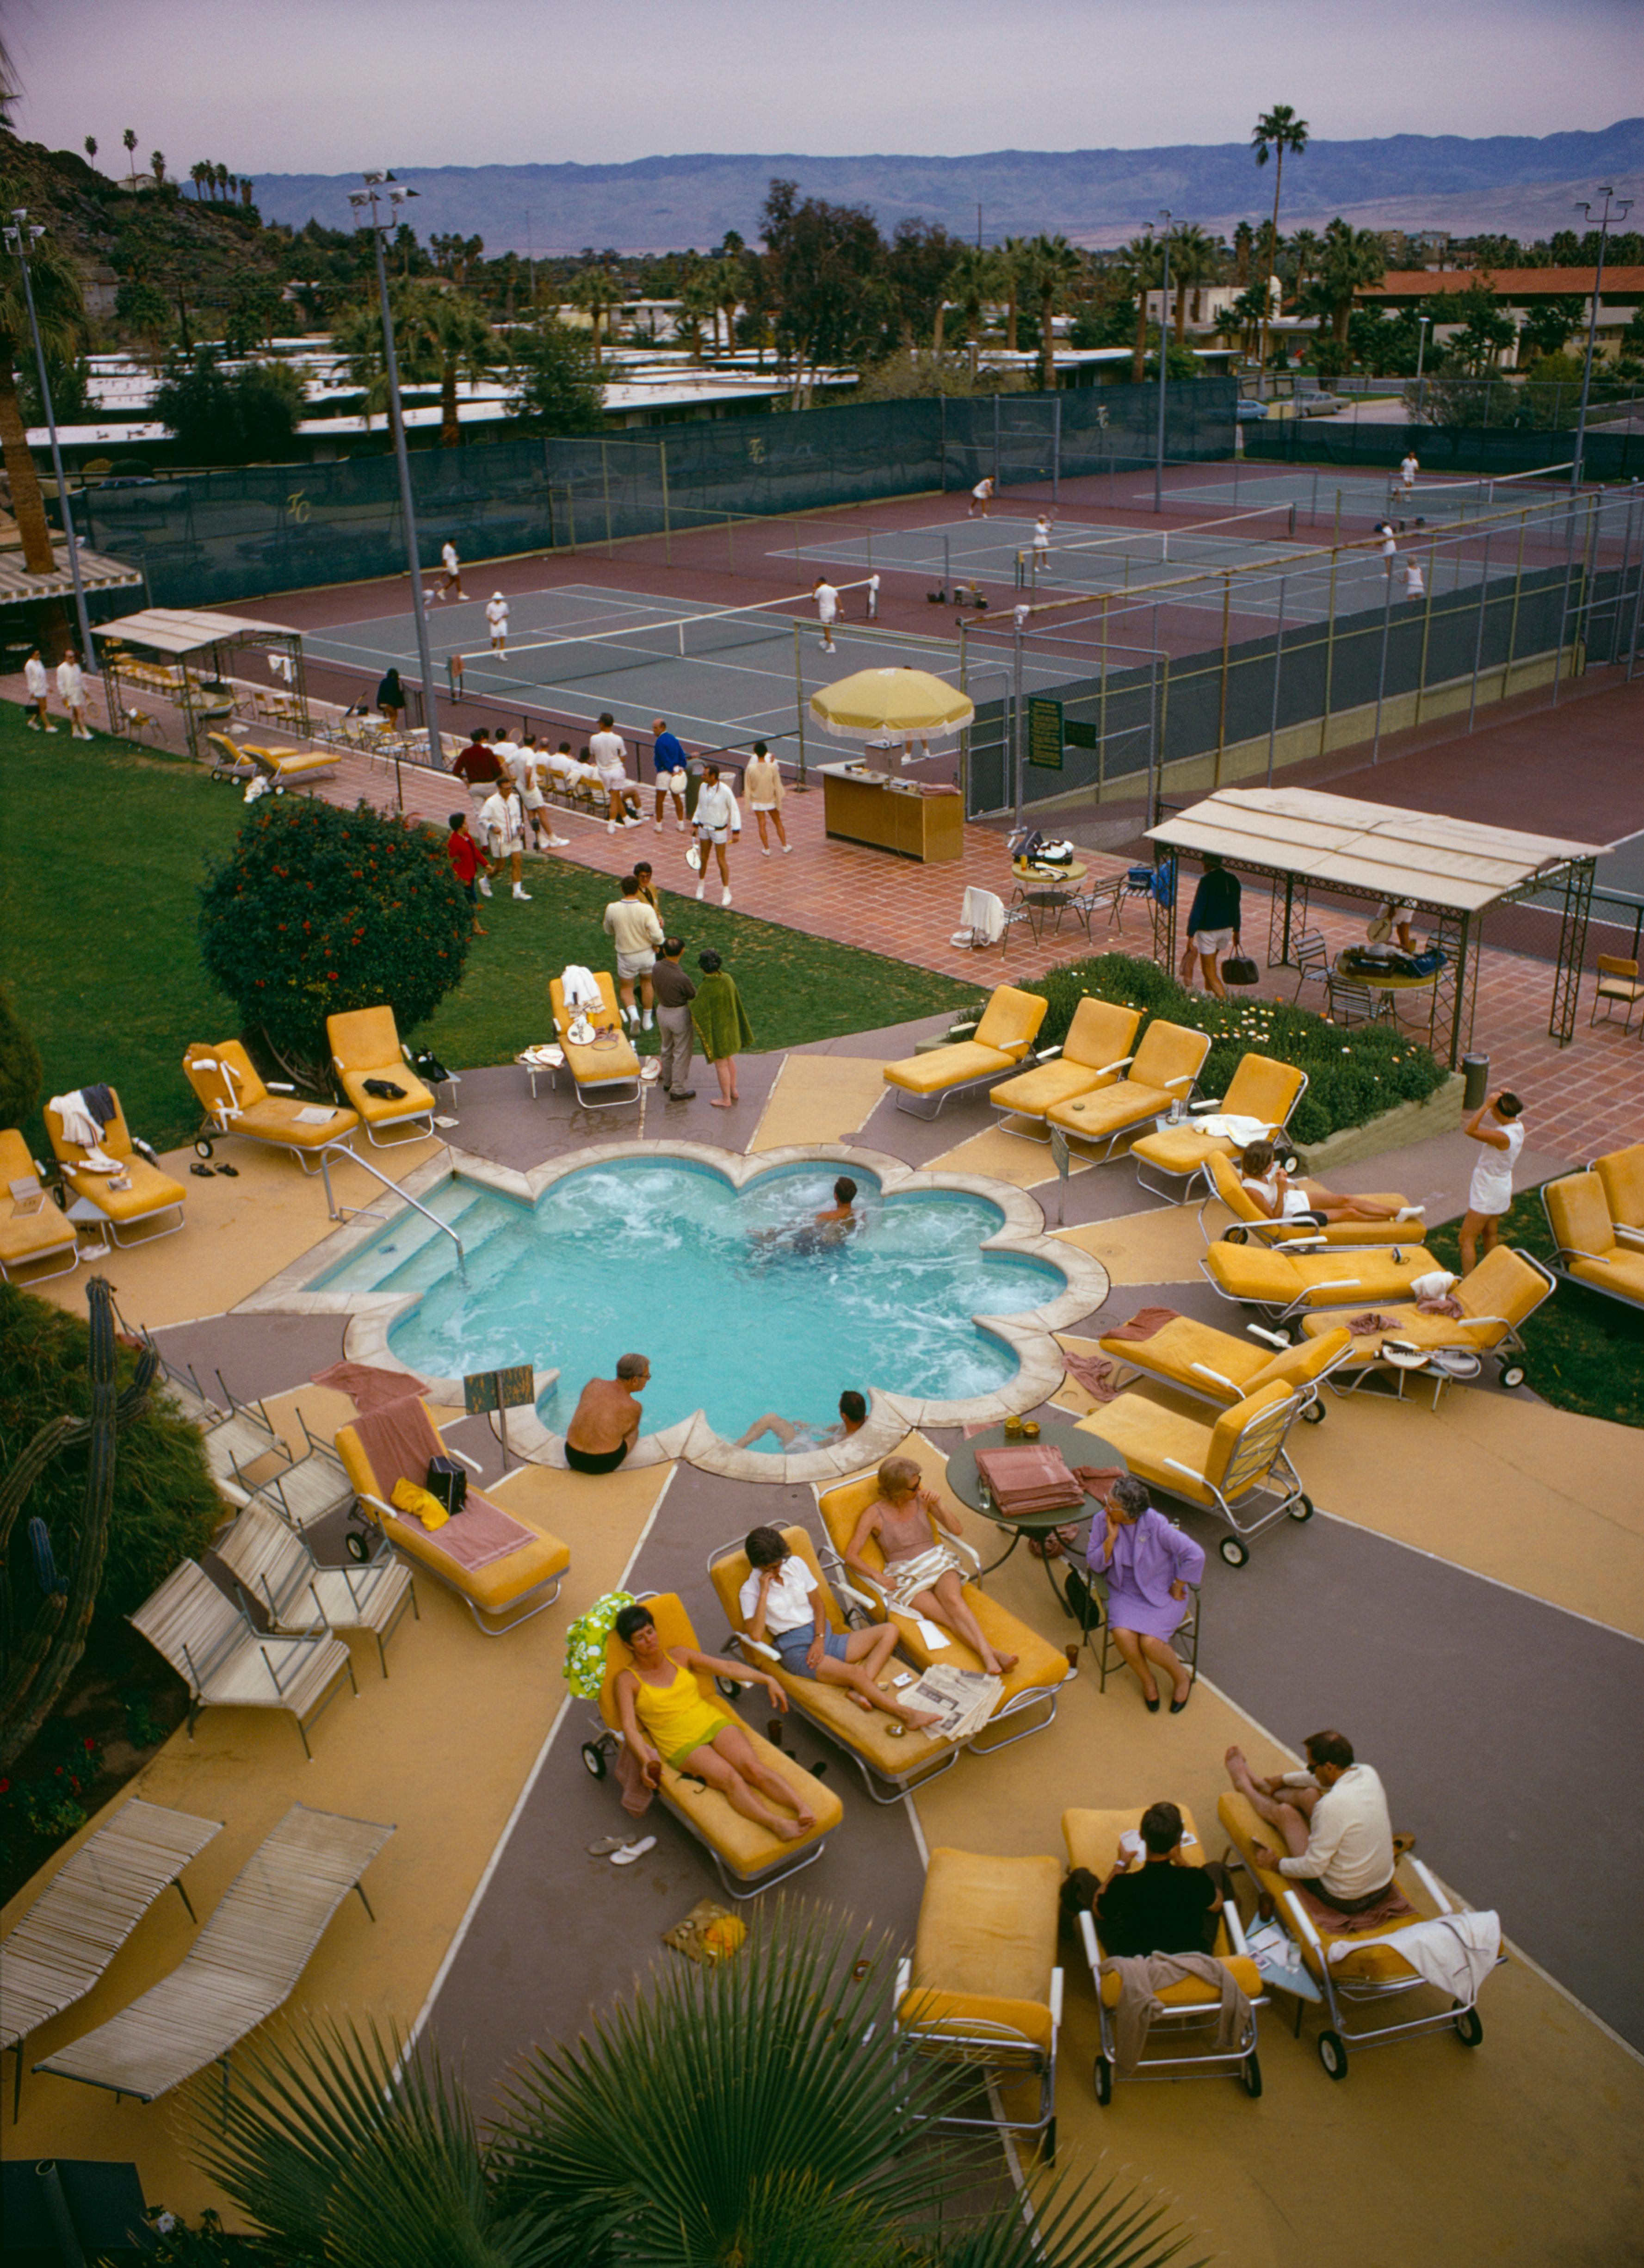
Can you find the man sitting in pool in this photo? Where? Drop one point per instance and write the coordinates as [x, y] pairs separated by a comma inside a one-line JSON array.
[[796, 1436], [605, 1424], [831, 1226], [782, 1605], [665, 1719]]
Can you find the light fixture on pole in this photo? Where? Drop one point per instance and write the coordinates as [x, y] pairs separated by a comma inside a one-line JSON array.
[[381, 188], [1164, 318], [21, 235], [1423, 324], [1617, 210]]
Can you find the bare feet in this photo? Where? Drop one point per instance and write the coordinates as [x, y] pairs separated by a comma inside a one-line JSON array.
[[717, 1105], [918, 1721], [1003, 1664], [805, 1816], [786, 1831], [862, 1702]]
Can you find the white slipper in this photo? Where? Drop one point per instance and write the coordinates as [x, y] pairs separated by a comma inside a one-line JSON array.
[[629, 1852], [606, 1845]]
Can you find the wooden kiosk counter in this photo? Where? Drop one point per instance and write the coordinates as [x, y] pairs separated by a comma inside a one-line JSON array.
[[887, 814]]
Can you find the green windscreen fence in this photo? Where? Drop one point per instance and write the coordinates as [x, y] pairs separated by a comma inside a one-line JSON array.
[[203, 539], [1495, 450], [1128, 723]]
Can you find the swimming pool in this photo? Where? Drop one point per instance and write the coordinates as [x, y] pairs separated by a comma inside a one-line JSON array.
[[666, 1257]]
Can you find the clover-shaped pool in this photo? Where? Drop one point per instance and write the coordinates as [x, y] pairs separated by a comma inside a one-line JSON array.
[[740, 1308]]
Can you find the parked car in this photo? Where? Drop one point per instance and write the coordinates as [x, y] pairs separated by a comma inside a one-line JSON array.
[[1248, 412]]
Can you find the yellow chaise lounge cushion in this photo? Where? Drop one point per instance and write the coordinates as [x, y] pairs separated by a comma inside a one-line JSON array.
[[986, 1945]]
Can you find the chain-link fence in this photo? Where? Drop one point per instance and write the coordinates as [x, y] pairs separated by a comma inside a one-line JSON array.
[[203, 539]]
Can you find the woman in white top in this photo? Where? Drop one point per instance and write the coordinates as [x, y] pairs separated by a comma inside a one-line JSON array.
[[35, 682], [1268, 1186], [718, 822], [762, 783], [784, 1607], [1500, 1127]]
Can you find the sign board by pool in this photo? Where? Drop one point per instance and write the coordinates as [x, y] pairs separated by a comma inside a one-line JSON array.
[[499, 1389], [1045, 733]]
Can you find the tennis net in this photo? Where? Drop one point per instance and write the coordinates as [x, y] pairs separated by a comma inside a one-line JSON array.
[[614, 644]]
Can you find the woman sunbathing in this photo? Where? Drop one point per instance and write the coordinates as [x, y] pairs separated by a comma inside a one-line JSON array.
[[1269, 1187], [920, 1576], [660, 1693]]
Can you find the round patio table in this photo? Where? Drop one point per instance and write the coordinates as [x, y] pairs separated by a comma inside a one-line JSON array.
[[1077, 1446], [1388, 981]]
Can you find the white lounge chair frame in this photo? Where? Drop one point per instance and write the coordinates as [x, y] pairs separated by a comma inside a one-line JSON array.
[[1178, 2022], [225, 1663], [71, 1933], [241, 1967], [269, 1559]]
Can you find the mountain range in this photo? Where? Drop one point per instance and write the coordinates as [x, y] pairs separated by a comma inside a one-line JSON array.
[[1518, 185]]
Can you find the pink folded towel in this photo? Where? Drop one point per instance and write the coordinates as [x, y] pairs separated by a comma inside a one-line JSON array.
[[480, 1533], [369, 1387]]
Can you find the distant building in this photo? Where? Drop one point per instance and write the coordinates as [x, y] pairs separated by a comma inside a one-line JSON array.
[[1516, 291]]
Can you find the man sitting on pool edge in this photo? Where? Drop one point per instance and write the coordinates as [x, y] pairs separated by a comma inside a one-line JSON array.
[[605, 1424], [797, 1435]]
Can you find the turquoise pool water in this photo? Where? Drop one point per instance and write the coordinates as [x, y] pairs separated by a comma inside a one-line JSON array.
[[660, 1256]]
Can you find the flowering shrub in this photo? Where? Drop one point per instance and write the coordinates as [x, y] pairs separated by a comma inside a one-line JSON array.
[[316, 911], [65, 1763], [1353, 1074]]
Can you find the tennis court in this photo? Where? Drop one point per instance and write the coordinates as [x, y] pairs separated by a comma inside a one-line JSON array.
[[1100, 560], [723, 678]]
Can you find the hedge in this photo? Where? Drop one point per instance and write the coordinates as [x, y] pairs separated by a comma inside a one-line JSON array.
[[1353, 1074]]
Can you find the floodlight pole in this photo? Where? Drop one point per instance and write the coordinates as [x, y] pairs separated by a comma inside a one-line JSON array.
[[1164, 322], [21, 236], [378, 227], [1621, 208], [1423, 324]]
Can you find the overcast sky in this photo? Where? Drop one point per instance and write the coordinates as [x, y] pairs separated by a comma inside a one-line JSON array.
[[325, 86]]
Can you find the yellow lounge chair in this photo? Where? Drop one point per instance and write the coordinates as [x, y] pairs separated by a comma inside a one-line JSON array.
[[1184, 2009], [1097, 1050], [1508, 1286], [1031, 1689], [895, 1759], [1261, 1089], [1212, 1365], [1283, 1284], [522, 1581], [1252, 1225], [1588, 1251], [236, 1101], [1226, 1464], [748, 1856], [44, 1233], [1167, 1065], [605, 1073], [365, 1044], [1622, 1173], [1000, 1043], [983, 1988], [149, 1192], [1368, 1976], [286, 766]]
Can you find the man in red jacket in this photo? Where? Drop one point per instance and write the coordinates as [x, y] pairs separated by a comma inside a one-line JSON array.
[[469, 864]]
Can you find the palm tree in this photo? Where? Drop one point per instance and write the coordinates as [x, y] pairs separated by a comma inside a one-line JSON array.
[[197, 173], [130, 138], [1050, 268], [699, 304], [91, 147], [443, 333], [1013, 254], [595, 290], [1242, 242], [726, 274], [1275, 131], [1353, 259], [1142, 264], [1193, 259], [744, 2134], [157, 162], [60, 310], [977, 278]]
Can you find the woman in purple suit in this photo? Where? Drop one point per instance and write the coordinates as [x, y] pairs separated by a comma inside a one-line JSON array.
[[1148, 1565]]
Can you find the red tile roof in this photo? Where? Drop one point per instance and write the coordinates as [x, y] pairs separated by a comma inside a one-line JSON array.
[[1507, 282]]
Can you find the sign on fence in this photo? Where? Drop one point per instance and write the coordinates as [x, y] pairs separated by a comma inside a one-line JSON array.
[[1045, 733]]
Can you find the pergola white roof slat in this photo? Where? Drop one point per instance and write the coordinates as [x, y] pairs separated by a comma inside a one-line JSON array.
[[1370, 847], [178, 630]]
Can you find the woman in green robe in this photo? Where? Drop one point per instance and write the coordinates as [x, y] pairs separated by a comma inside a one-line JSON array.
[[722, 1025]]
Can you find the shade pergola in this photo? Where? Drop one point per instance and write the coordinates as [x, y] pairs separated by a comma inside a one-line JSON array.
[[1453, 869], [183, 636]]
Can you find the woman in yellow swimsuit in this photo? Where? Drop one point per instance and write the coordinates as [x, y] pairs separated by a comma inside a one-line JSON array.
[[665, 1719]]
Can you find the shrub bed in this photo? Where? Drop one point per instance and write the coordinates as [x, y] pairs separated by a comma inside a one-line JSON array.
[[1353, 1074]]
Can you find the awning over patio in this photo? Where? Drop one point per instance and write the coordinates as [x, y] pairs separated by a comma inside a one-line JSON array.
[[97, 573], [177, 630], [1305, 840], [1370, 847]]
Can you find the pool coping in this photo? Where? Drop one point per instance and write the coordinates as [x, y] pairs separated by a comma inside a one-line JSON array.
[[1030, 1333]]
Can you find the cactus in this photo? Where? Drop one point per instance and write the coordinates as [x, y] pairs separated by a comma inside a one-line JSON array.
[[39, 1659]]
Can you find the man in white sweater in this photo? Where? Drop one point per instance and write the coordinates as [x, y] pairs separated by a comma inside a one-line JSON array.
[[1338, 1839], [719, 822]]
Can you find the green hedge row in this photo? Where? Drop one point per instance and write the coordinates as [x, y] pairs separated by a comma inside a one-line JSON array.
[[1353, 1074]]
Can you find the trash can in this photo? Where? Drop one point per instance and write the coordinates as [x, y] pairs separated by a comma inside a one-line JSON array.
[[1475, 1071]]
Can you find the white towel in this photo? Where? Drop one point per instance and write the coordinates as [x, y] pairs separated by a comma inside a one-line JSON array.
[[1231, 1129], [984, 915], [580, 987], [78, 1126], [1455, 1952]]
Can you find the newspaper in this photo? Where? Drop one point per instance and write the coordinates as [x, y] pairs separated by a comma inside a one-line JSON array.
[[961, 1700]]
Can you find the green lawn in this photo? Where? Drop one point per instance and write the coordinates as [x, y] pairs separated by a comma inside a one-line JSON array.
[[102, 852], [1582, 1352]]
